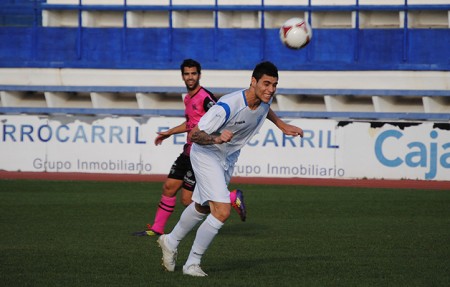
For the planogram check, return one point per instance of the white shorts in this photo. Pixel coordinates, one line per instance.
(212, 179)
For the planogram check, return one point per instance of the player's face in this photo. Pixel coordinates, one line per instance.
(265, 88)
(191, 78)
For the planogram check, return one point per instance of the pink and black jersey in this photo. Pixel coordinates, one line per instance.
(195, 107)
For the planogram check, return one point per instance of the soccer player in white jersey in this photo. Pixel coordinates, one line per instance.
(218, 138)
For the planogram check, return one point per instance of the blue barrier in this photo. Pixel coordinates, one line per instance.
(335, 49)
(180, 113)
(331, 49)
(219, 90)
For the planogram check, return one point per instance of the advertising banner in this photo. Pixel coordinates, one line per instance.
(125, 145)
(395, 150)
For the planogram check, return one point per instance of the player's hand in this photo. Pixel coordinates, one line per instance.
(160, 137)
(224, 137)
(292, 130)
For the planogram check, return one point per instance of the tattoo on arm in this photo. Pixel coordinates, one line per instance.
(202, 138)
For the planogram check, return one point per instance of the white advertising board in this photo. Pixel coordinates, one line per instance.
(125, 145)
(395, 151)
(272, 154)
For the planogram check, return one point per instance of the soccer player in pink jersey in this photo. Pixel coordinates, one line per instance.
(181, 176)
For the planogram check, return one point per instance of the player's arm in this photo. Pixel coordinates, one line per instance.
(202, 138)
(165, 134)
(208, 103)
(286, 128)
(205, 132)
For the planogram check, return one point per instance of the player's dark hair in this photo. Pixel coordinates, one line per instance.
(265, 68)
(190, 63)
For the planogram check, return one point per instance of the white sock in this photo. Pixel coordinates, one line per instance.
(205, 235)
(188, 220)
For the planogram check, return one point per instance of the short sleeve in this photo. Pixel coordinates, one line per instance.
(213, 119)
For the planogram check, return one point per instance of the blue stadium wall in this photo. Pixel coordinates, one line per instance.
(233, 49)
(25, 43)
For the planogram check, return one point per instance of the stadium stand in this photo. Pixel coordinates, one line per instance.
(368, 59)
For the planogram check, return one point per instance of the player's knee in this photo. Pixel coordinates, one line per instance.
(186, 201)
(222, 213)
(169, 190)
(186, 196)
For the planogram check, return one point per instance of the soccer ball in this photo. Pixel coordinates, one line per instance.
(295, 33)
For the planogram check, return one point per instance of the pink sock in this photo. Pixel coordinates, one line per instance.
(165, 208)
(233, 196)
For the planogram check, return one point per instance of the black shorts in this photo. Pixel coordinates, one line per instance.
(182, 169)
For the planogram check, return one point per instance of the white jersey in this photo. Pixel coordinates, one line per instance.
(232, 113)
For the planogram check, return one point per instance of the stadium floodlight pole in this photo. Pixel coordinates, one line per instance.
(123, 51)
(170, 30)
(405, 32)
(80, 30)
(216, 29)
(357, 32)
(263, 36)
(34, 34)
(308, 51)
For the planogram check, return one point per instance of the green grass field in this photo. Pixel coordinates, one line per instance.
(56, 233)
